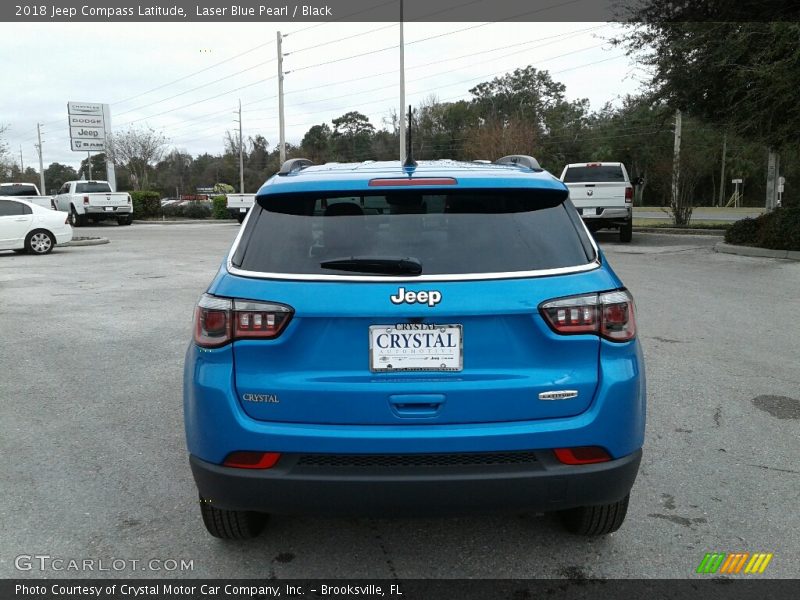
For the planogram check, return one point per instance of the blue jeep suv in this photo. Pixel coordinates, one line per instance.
(436, 338)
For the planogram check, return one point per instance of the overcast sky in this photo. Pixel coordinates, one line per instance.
(148, 73)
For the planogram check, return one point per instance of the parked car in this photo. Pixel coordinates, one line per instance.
(26, 191)
(436, 338)
(28, 227)
(603, 195)
(239, 204)
(93, 201)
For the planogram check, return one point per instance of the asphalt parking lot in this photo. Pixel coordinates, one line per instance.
(94, 463)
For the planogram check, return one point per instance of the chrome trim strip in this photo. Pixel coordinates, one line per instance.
(590, 266)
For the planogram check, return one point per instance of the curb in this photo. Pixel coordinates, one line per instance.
(186, 222)
(680, 231)
(95, 241)
(758, 252)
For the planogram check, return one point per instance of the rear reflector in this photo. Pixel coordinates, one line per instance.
(584, 455)
(406, 181)
(609, 315)
(252, 460)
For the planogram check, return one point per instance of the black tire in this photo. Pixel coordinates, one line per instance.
(75, 219)
(240, 217)
(125, 220)
(231, 524)
(595, 520)
(40, 242)
(626, 232)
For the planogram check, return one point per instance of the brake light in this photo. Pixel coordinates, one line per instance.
(584, 455)
(408, 181)
(610, 315)
(129, 199)
(66, 221)
(86, 199)
(252, 460)
(219, 321)
(628, 195)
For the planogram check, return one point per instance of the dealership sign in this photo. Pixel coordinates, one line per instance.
(88, 126)
(89, 131)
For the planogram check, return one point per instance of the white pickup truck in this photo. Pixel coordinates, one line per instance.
(26, 191)
(603, 194)
(93, 201)
(239, 204)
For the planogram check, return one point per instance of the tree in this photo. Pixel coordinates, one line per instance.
(98, 167)
(352, 134)
(316, 144)
(5, 166)
(732, 72)
(57, 174)
(138, 150)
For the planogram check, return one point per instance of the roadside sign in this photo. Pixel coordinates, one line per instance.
(86, 121)
(736, 181)
(84, 108)
(89, 128)
(88, 145)
(87, 133)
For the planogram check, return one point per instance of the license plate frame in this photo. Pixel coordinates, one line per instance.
(242, 209)
(108, 208)
(393, 360)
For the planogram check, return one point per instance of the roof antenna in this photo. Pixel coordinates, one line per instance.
(410, 164)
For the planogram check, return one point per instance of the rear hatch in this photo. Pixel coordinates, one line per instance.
(370, 343)
(596, 185)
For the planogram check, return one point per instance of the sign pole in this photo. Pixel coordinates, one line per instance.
(111, 175)
(41, 162)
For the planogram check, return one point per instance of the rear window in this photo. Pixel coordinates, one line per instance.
(484, 231)
(90, 187)
(593, 174)
(18, 189)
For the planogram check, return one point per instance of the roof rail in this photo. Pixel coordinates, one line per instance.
(294, 164)
(522, 160)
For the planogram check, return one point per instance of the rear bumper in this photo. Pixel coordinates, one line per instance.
(537, 485)
(97, 211)
(603, 217)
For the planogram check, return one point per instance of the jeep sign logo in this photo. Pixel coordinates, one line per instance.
(431, 298)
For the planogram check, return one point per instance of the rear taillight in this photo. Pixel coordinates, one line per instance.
(66, 221)
(218, 321)
(129, 199)
(86, 199)
(628, 195)
(609, 314)
(583, 455)
(252, 460)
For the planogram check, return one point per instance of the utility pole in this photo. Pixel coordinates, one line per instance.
(676, 159)
(241, 151)
(282, 126)
(773, 166)
(21, 165)
(722, 174)
(42, 189)
(89, 162)
(401, 115)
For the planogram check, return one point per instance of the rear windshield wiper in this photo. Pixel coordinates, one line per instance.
(382, 265)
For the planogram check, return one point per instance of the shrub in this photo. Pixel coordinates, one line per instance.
(777, 230)
(146, 204)
(220, 210)
(172, 210)
(197, 210)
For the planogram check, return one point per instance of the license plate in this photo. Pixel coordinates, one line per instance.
(415, 347)
(242, 210)
(109, 208)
